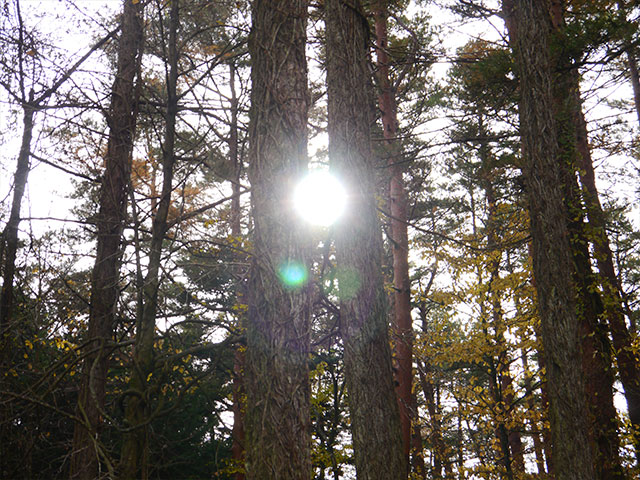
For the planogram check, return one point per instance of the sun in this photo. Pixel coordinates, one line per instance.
(319, 198)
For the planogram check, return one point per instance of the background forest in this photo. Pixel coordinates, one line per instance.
(474, 313)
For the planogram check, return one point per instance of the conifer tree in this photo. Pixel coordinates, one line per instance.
(375, 420)
(277, 420)
(121, 117)
(529, 30)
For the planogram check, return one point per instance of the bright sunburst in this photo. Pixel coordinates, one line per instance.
(319, 198)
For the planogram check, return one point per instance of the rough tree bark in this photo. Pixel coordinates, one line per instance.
(596, 351)
(596, 356)
(277, 421)
(375, 417)
(628, 365)
(121, 119)
(551, 250)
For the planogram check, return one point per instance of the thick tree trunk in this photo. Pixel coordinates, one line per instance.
(596, 355)
(277, 419)
(375, 418)
(134, 460)
(596, 351)
(628, 365)
(402, 329)
(110, 221)
(551, 250)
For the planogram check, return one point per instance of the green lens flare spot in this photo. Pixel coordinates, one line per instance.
(293, 274)
(349, 283)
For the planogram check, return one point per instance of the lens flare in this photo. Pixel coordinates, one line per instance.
(319, 198)
(293, 274)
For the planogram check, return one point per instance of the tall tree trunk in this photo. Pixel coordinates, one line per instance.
(533, 425)
(375, 418)
(635, 78)
(134, 460)
(277, 419)
(596, 351)
(402, 329)
(105, 277)
(628, 365)
(438, 448)
(237, 433)
(551, 250)
(10, 234)
(596, 355)
(30, 104)
(500, 379)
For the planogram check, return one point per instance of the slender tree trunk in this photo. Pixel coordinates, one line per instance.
(10, 233)
(402, 329)
(438, 449)
(531, 405)
(418, 466)
(500, 378)
(635, 78)
(277, 420)
(514, 439)
(375, 418)
(30, 104)
(237, 433)
(134, 460)
(110, 221)
(551, 249)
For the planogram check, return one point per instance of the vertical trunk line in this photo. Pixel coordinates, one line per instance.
(551, 250)
(402, 329)
(10, 233)
(373, 404)
(121, 118)
(135, 450)
(277, 420)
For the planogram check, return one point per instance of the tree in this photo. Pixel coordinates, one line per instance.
(134, 458)
(277, 419)
(85, 453)
(581, 165)
(31, 101)
(398, 204)
(373, 405)
(529, 30)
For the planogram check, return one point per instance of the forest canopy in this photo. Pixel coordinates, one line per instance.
(458, 299)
